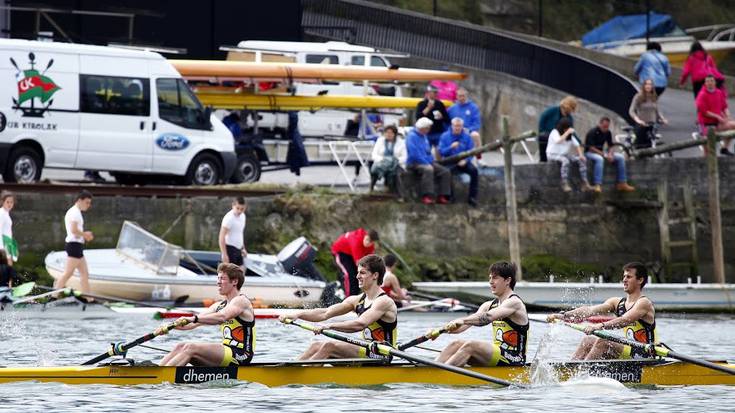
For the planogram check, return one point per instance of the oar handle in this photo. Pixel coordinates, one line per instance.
(431, 335)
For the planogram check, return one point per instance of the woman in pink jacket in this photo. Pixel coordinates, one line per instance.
(698, 65)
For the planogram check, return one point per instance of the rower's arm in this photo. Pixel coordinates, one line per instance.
(581, 313)
(234, 308)
(192, 325)
(462, 324)
(320, 314)
(640, 309)
(377, 310)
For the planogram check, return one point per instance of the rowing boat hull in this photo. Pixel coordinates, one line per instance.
(311, 103)
(663, 373)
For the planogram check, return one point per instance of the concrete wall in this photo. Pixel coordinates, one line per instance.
(606, 230)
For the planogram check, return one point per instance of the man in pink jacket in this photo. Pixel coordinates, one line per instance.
(712, 111)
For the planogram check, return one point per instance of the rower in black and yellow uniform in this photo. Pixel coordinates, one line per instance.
(634, 314)
(377, 316)
(509, 319)
(236, 319)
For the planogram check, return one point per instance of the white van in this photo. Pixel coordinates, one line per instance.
(326, 122)
(104, 109)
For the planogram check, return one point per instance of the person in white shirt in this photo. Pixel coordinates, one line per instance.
(231, 234)
(565, 147)
(76, 236)
(389, 154)
(6, 227)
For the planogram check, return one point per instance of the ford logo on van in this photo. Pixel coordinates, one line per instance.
(172, 142)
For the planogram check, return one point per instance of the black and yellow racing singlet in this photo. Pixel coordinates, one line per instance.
(639, 331)
(380, 330)
(510, 338)
(239, 335)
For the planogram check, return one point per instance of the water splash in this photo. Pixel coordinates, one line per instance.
(542, 371)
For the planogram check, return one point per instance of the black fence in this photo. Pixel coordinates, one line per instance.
(420, 35)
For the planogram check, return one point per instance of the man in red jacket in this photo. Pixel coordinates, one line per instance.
(347, 251)
(712, 111)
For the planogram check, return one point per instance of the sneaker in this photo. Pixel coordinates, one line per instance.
(726, 152)
(624, 187)
(443, 200)
(472, 202)
(565, 187)
(597, 188)
(586, 187)
(427, 200)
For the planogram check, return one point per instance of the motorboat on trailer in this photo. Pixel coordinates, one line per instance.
(144, 267)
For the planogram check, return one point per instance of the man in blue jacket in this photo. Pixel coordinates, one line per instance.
(468, 111)
(421, 161)
(654, 65)
(453, 142)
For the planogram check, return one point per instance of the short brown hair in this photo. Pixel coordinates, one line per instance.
(641, 272)
(83, 194)
(373, 263)
(373, 234)
(506, 270)
(233, 272)
(5, 195)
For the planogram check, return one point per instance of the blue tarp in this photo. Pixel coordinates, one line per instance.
(631, 27)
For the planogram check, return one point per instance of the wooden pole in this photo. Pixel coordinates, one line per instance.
(663, 225)
(713, 179)
(511, 206)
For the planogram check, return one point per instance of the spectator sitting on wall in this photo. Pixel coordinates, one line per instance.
(654, 65)
(421, 161)
(468, 111)
(564, 147)
(391, 285)
(712, 111)
(550, 118)
(644, 111)
(433, 109)
(455, 141)
(595, 142)
(389, 155)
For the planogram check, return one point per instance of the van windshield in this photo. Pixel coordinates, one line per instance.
(178, 105)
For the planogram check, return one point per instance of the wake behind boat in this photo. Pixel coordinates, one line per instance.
(144, 267)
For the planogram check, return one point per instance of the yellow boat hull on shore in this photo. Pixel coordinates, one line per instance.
(652, 372)
(235, 101)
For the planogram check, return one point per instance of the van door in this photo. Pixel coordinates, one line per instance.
(115, 122)
(179, 128)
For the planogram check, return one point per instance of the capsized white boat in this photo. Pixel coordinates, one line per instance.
(143, 267)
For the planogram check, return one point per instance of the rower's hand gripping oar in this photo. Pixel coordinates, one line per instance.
(120, 349)
(431, 335)
(386, 350)
(652, 349)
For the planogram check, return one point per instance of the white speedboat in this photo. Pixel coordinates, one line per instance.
(143, 267)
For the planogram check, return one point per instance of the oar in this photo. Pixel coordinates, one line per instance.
(23, 289)
(35, 297)
(178, 301)
(387, 350)
(119, 349)
(422, 339)
(421, 305)
(434, 297)
(660, 351)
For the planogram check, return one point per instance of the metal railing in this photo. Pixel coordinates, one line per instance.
(444, 40)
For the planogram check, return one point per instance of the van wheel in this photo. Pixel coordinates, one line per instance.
(247, 169)
(24, 166)
(205, 169)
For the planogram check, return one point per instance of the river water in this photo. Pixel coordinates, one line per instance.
(35, 341)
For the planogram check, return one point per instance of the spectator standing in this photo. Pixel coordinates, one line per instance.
(433, 109)
(645, 113)
(389, 154)
(699, 65)
(550, 118)
(75, 239)
(654, 65)
(564, 147)
(712, 111)
(455, 141)
(445, 89)
(391, 284)
(420, 160)
(231, 238)
(7, 242)
(348, 249)
(469, 112)
(596, 140)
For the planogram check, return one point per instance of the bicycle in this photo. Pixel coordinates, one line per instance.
(627, 142)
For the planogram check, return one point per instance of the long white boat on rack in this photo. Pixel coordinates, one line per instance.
(666, 296)
(144, 267)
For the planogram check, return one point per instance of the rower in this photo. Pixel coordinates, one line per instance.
(509, 319)
(391, 285)
(635, 315)
(376, 311)
(236, 320)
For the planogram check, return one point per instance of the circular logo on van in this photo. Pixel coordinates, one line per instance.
(172, 142)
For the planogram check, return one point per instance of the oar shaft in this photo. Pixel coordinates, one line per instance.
(118, 299)
(434, 297)
(418, 340)
(124, 347)
(386, 350)
(35, 297)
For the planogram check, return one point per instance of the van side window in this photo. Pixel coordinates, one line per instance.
(377, 61)
(114, 95)
(178, 105)
(358, 61)
(322, 59)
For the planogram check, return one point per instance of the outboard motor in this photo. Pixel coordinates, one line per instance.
(297, 258)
